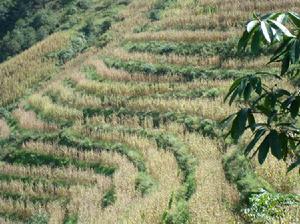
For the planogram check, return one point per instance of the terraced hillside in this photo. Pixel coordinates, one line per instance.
(130, 133)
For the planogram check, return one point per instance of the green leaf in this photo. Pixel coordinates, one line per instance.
(244, 40)
(285, 64)
(294, 109)
(263, 150)
(294, 51)
(282, 92)
(259, 133)
(239, 123)
(234, 95)
(255, 44)
(233, 87)
(266, 30)
(247, 91)
(281, 50)
(275, 144)
(284, 144)
(251, 121)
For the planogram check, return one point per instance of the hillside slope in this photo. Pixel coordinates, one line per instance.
(128, 133)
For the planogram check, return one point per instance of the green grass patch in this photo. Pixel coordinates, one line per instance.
(36, 159)
(109, 198)
(189, 73)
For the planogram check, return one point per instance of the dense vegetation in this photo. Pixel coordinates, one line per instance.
(24, 23)
(117, 119)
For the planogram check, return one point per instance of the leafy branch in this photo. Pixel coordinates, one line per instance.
(278, 131)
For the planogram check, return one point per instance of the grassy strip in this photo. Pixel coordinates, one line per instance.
(91, 73)
(36, 159)
(224, 49)
(206, 49)
(36, 180)
(238, 170)
(43, 200)
(68, 138)
(14, 216)
(189, 73)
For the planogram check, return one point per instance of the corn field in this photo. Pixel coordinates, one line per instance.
(122, 136)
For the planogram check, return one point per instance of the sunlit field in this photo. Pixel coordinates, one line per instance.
(129, 133)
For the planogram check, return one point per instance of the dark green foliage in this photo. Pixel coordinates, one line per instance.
(181, 214)
(95, 32)
(279, 133)
(77, 45)
(71, 219)
(23, 23)
(144, 183)
(42, 200)
(109, 198)
(190, 94)
(83, 4)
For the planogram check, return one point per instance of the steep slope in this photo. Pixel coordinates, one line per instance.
(127, 133)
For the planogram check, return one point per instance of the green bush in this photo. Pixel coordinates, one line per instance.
(77, 45)
(83, 4)
(238, 170)
(266, 207)
(109, 198)
(178, 215)
(144, 183)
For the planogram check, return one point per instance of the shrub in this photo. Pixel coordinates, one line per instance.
(83, 4)
(266, 207)
(144, 183)
(77, 45)
(109, 198)
(238, 170)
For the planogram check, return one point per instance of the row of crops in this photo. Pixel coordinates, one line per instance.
(131, 134)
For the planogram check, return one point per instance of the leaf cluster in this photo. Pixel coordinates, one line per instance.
(279, 132)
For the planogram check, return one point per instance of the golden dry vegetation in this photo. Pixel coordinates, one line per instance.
(109, 142)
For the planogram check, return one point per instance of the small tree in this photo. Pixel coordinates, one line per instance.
(279, 132)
